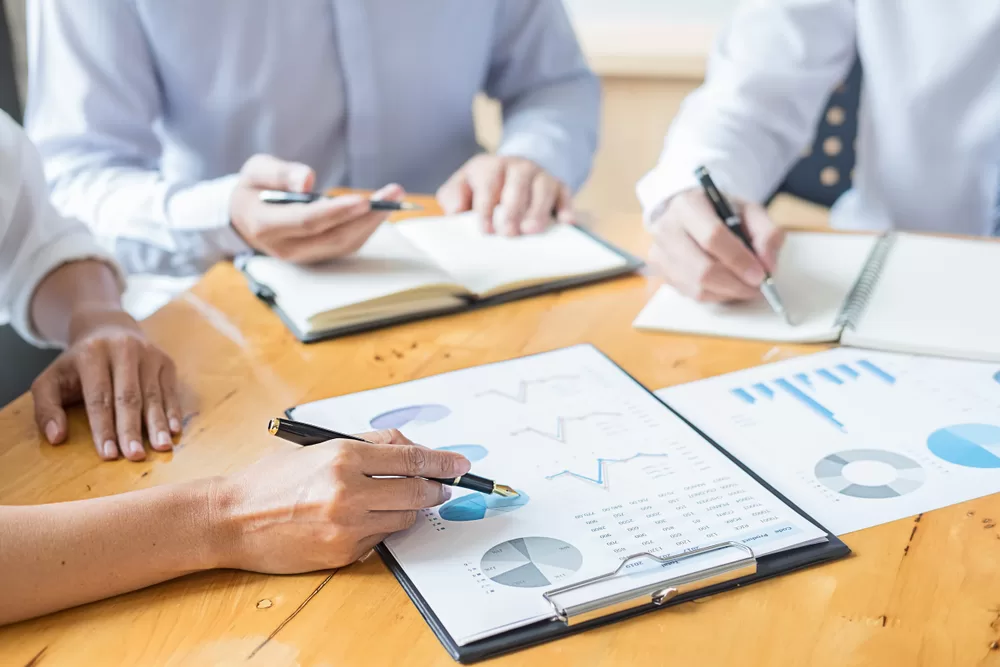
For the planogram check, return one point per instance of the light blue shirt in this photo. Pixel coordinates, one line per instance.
(145, 110)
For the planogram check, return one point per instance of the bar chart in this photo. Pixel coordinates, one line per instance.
(807, 388)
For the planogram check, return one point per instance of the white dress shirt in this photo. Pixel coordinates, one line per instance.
(144, 110)
(34, 238)
(928, 146)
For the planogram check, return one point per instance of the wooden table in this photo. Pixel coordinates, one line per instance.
(921, 591)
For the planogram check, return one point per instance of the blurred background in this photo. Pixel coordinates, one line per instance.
(649, 54)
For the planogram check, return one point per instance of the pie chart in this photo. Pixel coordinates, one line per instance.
(531, 562)
(478, 506)
(472, 452)
(870, 473)
(967, 445)
(411, 414)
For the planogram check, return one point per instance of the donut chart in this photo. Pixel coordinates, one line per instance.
(411, 414)
(834, 473)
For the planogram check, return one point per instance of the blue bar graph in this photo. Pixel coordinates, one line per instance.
(828, 376)
(876, 371)
(808, 401)
(809, 388)
(848, 371)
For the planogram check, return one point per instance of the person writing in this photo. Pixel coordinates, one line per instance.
(159, 135)
(298, 510)
(928, 149)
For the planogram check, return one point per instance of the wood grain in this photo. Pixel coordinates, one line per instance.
(921, 591)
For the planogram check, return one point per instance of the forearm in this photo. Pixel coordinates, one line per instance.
(62, 555)
(156, 225)
(71, 288)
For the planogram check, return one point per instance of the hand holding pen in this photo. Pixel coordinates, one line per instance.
(702, 258)
(308, 435)
(308, 232)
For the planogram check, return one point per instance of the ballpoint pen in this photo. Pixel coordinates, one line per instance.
(282, 197)
(307, 434)
(735, 225)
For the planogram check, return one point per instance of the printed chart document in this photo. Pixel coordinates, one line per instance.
(604, 471)
(857, 438)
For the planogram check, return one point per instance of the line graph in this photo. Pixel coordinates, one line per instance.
(521, 395)
(561, 425)
(601, 479)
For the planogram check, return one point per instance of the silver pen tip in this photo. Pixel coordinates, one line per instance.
(770, 292)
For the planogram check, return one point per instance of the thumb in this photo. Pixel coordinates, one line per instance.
(49, 413)
(767, 237)
(455, 196)
(267, 172)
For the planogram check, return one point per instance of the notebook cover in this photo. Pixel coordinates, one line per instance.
(632, 265)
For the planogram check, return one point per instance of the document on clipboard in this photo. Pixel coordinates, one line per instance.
(623, 506)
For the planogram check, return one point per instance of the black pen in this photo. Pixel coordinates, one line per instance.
(307, 434)
(282, 197)
(735, 225)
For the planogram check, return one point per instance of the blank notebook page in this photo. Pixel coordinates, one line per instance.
(483, 263)
(935, 296)
(814, 276)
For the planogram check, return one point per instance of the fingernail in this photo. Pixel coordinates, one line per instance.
(163, 439)
(299, 178)
(445, 493)
(754, 276)
(110, 449)
(135, 447)
(51, 432)
(175, 425)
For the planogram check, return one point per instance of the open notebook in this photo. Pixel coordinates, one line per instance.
(428, 266)
(899, 292)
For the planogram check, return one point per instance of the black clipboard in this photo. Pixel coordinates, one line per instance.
(744, 569)
(266, 294)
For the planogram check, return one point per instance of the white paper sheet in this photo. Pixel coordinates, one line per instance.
(858, 438)
(605, 471)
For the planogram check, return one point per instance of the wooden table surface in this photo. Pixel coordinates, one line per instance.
(920, 591)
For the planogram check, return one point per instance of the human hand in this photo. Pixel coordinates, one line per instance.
(124, 381)
(703, 259)
(527, 194)
(318, 507)
(301, 233)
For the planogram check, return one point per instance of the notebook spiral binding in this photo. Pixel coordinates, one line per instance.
(861, 293)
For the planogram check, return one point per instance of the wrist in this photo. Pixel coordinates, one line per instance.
(89, 317)
(221, 502)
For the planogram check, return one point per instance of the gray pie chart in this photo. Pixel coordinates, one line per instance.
(909, 474)
(531, 562)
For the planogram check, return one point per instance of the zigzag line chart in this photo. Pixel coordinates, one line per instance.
(560, 434)
(521, 395)
(601, 479)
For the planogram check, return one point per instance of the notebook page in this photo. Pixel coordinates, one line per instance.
(387, 264)
(814, 276)
(935, 296)
(488, 263)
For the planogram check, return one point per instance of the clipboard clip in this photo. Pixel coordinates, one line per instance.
(657, 592)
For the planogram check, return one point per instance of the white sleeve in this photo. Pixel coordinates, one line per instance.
(95, 99)
(770, 73)
(34, 238)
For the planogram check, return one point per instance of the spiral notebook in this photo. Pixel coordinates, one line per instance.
(898, 292)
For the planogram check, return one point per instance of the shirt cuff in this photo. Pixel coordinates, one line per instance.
(73, 247)
(663, 183)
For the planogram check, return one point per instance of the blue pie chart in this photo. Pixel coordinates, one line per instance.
(478, 506)
(411, 414)
(472, 452)
(967, 445)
